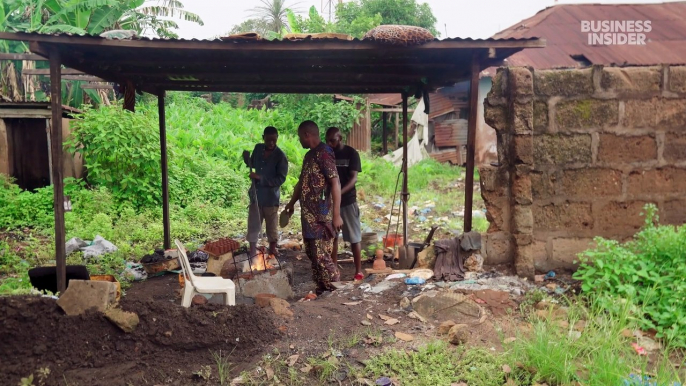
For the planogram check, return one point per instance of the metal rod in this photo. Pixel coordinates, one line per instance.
(165, 176)
(397, 128)
(384, 128)
(471, 141)
(405, 196)
(57, 170)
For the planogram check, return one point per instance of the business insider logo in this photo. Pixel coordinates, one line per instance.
(616, 32)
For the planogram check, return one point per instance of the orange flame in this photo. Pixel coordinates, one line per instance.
(262, 262)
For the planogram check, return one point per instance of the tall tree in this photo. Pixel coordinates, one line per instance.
(274, 12)
(356, 18)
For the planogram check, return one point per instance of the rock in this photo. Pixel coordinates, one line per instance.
(539, 278)
(366, 323)
(264, 300)
(445, 327)
(551, 286)
(423, 273)
(458, 334)
(580, 325)
(510, 340)
(199, 300)
(447, 306)
(405, 302)
(543, 305)
(563, 324)
(415, 315)
(83, 295)
(281, 307)
(404, 337)
(517, 292)
(627, 333)
(426, 258)
(127, 321)
(474, 263)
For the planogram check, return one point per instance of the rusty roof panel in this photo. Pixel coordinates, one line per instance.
(560, 25)
(451, 132)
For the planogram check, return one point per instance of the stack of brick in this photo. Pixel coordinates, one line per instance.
(580, 153)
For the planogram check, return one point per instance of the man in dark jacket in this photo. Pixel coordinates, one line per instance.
(271, 168)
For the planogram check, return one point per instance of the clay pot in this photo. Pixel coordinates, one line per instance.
(379, 263)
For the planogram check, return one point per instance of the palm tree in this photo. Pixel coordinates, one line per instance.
(152, 16)
(274, 12)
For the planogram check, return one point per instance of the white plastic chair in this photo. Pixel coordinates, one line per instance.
(203, 285)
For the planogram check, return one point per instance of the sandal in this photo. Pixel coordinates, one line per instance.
(359, 276)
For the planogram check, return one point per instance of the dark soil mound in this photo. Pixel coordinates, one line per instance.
(170, 342)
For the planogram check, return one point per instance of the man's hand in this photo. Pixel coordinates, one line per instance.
(289, 208)
(255, 176)
(338, 223)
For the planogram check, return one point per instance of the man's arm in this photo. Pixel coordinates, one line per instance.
(281, 173)
(297, 192)
(351, 182)
(335, 186)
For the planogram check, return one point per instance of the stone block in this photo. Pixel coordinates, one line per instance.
(493, 179)
(523, 220)
(631, 80)
(658, 113)
(445, 327)
(521, 82)
(569, 216)
(540, 255)
(276, 282)
(524, 238)
(565, 251)
(499, 87)
(540, 117)
(264, 300)
(87, 295)
(591, 183)
(674, 148)
(586, 114)
(657, 181)
(619, 218)
(524, 261)
(281, 308)
(496, 117)
(563, 82)
(126, 321)
(523, 118)
(673, 212)
(503, 142)
(523, 149)
(542, 186)
(499, 248)
(562, 149)
(677, 79)
(626, 149)
(521, 190)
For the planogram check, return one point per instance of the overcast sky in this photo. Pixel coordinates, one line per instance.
(461, 18)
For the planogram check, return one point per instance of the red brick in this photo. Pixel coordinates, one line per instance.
(674, 148)
(657, 181)
(591, 183)
(567, 216)
(673, 212)
(542, 186)
(626, 149)
(523, 149)
(632, 80)
(619, 218)
(562, 149)
(656, 113)
(521, 190)
(586, 114)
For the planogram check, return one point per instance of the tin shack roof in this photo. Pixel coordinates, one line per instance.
(567, 46)
(285, 66)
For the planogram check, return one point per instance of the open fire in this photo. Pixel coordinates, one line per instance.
(262, 262)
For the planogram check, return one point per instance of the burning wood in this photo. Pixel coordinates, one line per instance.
(262, 262)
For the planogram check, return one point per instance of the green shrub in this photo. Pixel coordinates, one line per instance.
(648, 272)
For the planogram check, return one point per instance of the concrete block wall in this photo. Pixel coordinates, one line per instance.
(580, 152)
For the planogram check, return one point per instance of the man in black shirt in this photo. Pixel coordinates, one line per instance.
(348, 165)
(271, 169)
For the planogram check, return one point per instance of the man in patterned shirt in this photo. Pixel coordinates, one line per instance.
(319, 192)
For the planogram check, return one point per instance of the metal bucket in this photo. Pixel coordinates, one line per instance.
(369, 239)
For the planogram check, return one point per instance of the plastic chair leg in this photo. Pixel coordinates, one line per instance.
(188, 293)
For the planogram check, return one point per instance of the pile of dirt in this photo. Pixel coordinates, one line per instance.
(170, 342)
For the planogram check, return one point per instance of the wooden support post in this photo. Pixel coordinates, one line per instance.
(57, 169)
(165, 177)
(384, 135)
(405, 195)
(397, 127)
(129, 96)
(471, 141)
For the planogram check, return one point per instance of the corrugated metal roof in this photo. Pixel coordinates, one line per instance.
(560, 25)
(293, 66)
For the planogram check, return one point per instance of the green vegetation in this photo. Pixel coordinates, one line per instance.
(647, 273)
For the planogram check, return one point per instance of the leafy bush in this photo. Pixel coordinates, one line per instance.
(648, 272)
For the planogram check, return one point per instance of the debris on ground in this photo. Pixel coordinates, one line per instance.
(87, 295)
(126, 321)
(98, 247)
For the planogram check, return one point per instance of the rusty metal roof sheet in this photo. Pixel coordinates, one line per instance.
(560, 25)
(287, 66)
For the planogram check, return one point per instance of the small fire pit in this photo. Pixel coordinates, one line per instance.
(262, 273)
